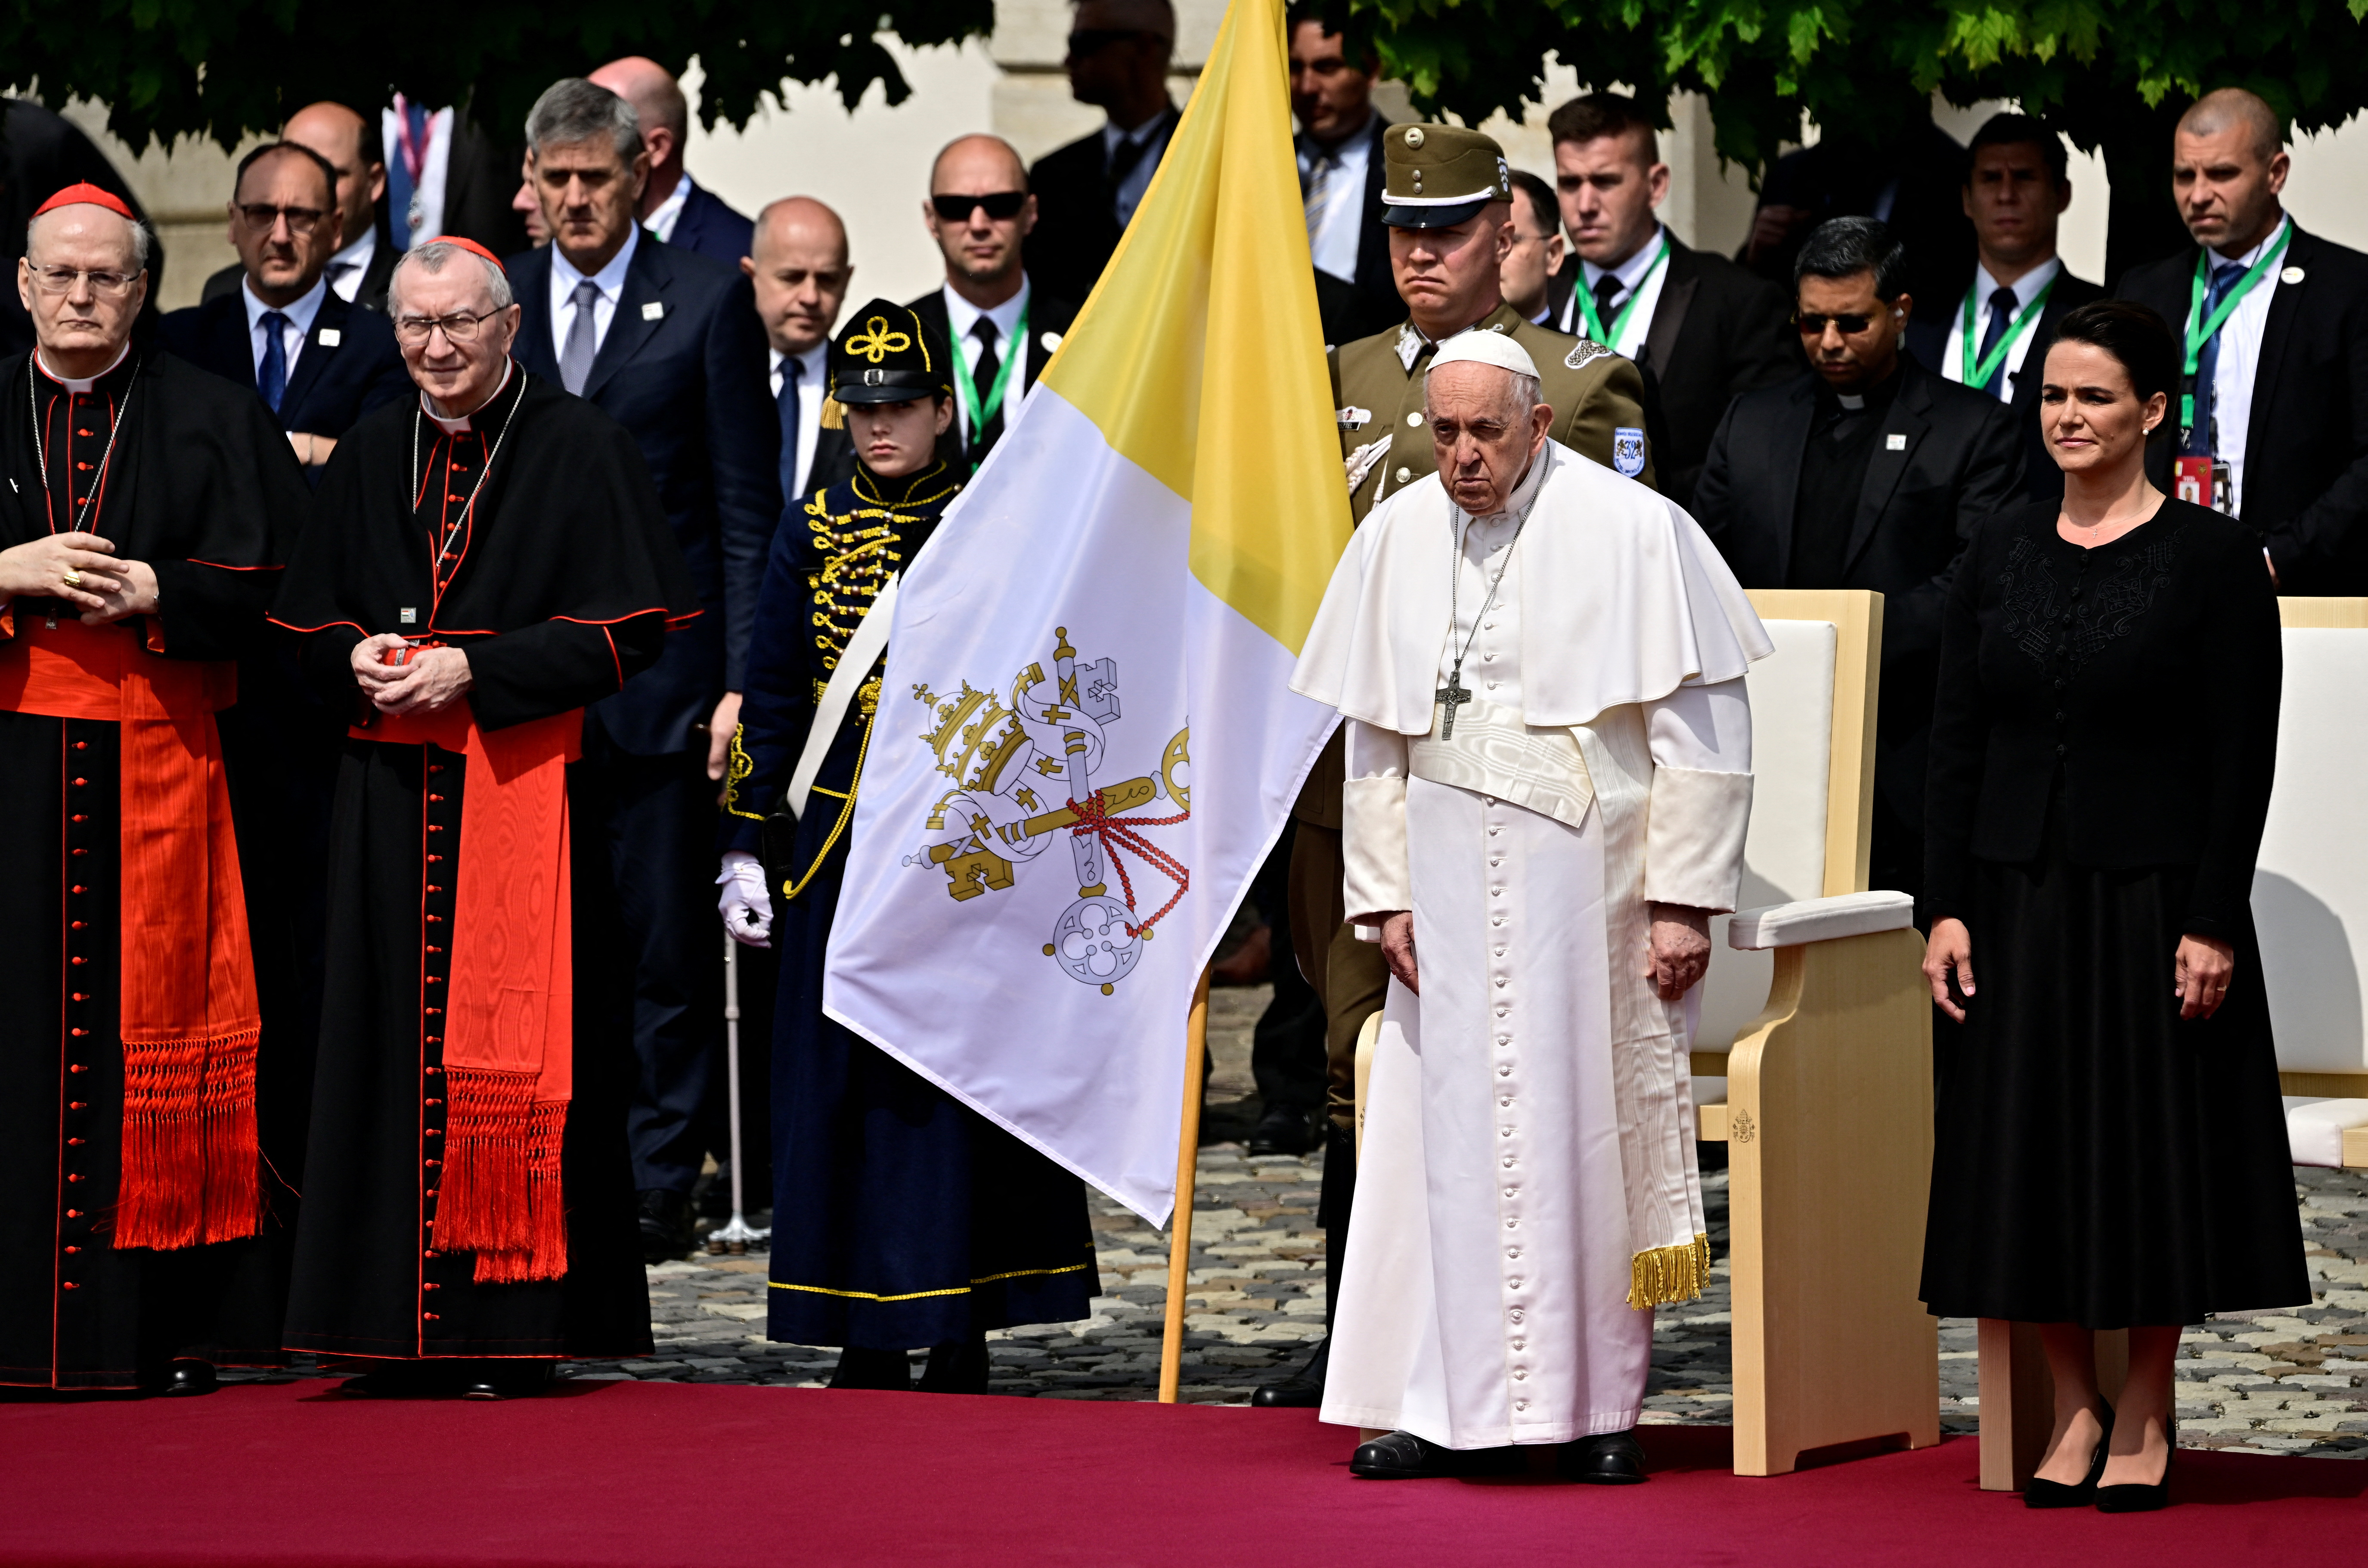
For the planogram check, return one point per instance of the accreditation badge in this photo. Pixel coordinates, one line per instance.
(2202, 481)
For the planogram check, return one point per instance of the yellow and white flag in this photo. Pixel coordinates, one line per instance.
(1085, 739)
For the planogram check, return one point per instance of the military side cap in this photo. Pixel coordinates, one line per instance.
(886, 355)
(1440, 175)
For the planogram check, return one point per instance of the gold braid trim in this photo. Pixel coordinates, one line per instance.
(1663, 1275)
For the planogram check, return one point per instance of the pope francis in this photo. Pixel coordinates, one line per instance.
(1541, 665)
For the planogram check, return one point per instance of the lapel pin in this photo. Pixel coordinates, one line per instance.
(1051, 340)
(330, 336)
(2291, 275)
(408, 617)
(654, 311)
(1895, 442)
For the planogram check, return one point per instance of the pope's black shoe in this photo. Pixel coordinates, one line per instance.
(1286, 1129)
(860, 1366)
(516, 1379)
(188, 1378)
(1301, 1390)
(666, 1229)
(1402, 1456)
(959, 1367)
(1608, 1459)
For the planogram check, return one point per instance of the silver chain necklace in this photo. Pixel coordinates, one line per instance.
(1453, 695)
(419, 479)
(41, 459)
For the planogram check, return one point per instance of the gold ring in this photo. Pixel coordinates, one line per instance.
(72, 579)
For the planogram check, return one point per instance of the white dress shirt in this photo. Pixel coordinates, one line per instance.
(1632, 274)
(291, 337)
(610, 281)
(432, 173)
(2026, 289)
(348, 267)
(813, 365)
(662, 222)
(1335, 228)
(960, 315)
(1151, 138)
(2240, 359)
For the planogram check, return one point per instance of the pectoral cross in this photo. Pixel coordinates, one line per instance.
(1450, 697)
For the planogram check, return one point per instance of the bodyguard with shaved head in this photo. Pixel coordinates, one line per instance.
(2272, 422)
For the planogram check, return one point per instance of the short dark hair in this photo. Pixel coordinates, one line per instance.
(2132, 334)
(1355, 33)
(328, 170)
(1547, 211)
(1604, 114)
(1844, 248)
(2018, 130)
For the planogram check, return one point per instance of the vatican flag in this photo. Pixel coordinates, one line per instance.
(1086, 742)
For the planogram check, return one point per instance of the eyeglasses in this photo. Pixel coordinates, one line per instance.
(1092, 41)
(264, 215)
(1812, 324)
(1001, 206)
(61, 280)
(412, 331)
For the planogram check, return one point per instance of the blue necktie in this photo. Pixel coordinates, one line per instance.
(787, 400)
(271, 377)
(2208, 362)
(2002, 304)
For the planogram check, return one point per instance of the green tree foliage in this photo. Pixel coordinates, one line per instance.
(224, 68)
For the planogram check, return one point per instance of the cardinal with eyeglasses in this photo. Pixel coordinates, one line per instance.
(1549, 776)
(147, 511)
(481, 562)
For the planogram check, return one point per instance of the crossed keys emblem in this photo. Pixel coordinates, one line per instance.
(877, 342)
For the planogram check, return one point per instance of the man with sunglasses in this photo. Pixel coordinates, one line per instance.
(1869, 472)
(979, 212)
(1086, 192)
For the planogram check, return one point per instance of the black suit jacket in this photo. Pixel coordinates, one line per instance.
(1047, 316)
(1075, 230)
(480, 180)
(350, 365)
(1369, 302)
(1717, 332)
(1959, 459)
(2306, 485)
(683, 368)
(370, 296)
(711, 227)
(1928, 340)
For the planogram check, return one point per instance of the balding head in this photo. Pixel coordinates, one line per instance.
(797, 264)
(350, 143)
(969, 166)
(979, 212)
(664, 115)
(2228, 109)
(82, 279)
(2227, 166)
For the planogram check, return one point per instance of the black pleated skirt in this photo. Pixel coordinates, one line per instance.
(2098, 1161)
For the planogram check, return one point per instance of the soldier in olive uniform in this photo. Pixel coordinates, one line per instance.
(1448, 206)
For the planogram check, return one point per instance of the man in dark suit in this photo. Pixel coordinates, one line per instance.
(675, 206)
(1003, 327)
(320, 362)
(2016, 188)
(1333, 67)
(668, 343)
(798, 265)
(41, 154)
(1086, 192)
(358, 273)
(1867, 473)
(2279, 393)
(1910, 182)
(1527, 273)
(1701, 328)
(449, 175)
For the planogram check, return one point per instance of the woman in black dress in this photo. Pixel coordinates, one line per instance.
(2112, 1150)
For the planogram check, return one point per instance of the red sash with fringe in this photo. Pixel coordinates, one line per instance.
(191, 1168)
(509, 1020)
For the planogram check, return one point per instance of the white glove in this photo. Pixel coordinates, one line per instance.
(747, 907)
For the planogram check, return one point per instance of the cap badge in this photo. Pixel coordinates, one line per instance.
(877, 342)
(1414, 136)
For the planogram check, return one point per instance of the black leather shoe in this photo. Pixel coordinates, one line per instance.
(188, 1378)
(2043, 1493)
(959, 1367)
(666, 1230)
(522, 1380)
(1285, 1130)
(1608, 1459)
(2136, 1497)
(860, 1366)
(1402, 1456)
(1301, 1390)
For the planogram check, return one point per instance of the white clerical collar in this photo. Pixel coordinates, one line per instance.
(2026, 287)
(1630, 272)
(352, 264)
(461, 425)
(668, 212)
(610, 279)
(2250, 256)
(1525, 494)
(960, 313)
(299, 312)
(811, 364)
(1851, 401)
(81, 388)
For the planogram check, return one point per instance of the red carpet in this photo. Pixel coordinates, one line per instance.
(645, 1474)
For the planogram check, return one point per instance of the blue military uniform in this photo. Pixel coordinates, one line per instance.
(901, 1218)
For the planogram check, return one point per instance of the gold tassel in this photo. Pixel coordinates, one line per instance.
(1663, 1275)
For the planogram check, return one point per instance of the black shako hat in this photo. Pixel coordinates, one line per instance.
(886, 355)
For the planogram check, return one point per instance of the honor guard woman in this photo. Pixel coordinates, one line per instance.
(903, 1218)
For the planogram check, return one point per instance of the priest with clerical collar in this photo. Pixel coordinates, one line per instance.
(148, 508)
(481, 563)
(1549, 754)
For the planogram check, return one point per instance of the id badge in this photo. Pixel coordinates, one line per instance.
(2202, 482)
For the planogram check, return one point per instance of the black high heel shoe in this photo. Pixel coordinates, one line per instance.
(2135, 1497)
(2043, 1494)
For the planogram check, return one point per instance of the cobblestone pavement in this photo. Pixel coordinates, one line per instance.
(2285, 1382)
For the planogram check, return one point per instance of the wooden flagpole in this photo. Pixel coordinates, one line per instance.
(1188, 1173)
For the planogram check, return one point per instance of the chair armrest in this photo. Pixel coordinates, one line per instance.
(1819, 920)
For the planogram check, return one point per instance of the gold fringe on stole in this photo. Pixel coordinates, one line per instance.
(1663, 1275)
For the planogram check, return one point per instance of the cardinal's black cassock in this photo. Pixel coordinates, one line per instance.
(141, 1085)
(469, 1194)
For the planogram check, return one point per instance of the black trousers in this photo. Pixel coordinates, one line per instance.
(1286, 1045)
(661, 840)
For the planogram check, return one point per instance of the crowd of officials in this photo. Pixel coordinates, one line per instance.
(1838, 406)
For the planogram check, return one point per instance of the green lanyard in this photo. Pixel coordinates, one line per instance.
(1619, 323)
(1978, 370)
(1015, 350)
(2197, 336)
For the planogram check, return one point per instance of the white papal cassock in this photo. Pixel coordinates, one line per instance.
(1528, 1191)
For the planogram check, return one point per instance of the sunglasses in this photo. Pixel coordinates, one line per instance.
(1092, 41)
(1812, 324)
(1001, 206)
